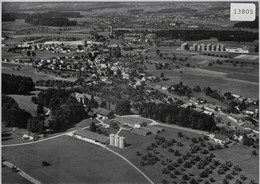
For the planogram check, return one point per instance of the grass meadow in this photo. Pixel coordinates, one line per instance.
(72, 161)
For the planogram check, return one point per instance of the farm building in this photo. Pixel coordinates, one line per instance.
(80, 97)
(221, 139)
(30, 136)
(74, 43)
(128, 121)
(153, 129)
(104, 113)
(91, 136)
(141, 131)
(184, 46)
(91, 114)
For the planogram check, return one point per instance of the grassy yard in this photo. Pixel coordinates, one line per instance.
(72, 161)
(25, 103)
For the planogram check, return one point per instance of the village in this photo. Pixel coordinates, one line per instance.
(155, 95)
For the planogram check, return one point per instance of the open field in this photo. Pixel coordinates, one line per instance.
(15, 25)
(205, 78)
(247, 73)
(28, 71)
(72, 161)
(25, 103)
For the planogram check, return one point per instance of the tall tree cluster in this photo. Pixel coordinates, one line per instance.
(15, 84)
(65, 108)
(173, 114)
(12, 115)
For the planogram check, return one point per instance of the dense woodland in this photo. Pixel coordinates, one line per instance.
(195, 35)
(65, 108)
(15, 84)
(172, 114)
(12, 115)
(52, 18)
(8, 17)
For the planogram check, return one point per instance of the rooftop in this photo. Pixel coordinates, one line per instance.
(221, 137)
(92, 135)
(126, 120)
(102, 111)
(140, 131)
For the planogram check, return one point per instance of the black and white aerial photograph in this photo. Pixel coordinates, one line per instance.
(130, 92)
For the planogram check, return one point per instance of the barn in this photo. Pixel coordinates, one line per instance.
(91, 136)
(104, 113)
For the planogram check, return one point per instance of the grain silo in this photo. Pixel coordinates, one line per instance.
(121, 142)
(116, 140)
(112, 139)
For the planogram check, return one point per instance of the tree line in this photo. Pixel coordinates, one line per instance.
(15, 84)
(50, 19)
(12, 115)
(195, 35)
(172, 114)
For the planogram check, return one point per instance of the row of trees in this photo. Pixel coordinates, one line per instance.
(172, 114)
(13, 84)
(195, 35)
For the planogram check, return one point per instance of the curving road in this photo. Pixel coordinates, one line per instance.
(21, 173)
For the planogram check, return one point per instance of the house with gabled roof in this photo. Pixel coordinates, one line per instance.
(104, 113)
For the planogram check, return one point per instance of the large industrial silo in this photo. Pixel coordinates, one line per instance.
(121, 142)
(116, 140)
(112, 139)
